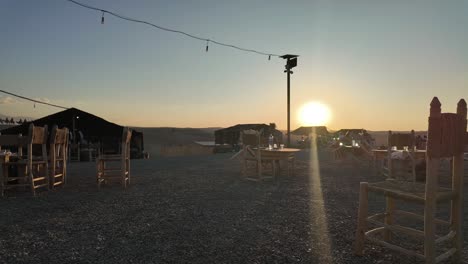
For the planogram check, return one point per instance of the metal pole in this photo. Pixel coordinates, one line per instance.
(291, 62)
(289, 124)
(73, 131)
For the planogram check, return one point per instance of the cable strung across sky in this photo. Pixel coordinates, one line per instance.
(173, 30)
(33, 100)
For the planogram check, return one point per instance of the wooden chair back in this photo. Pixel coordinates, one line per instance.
(446, 139)
(34, 168)
(399, 169)
(400, 140)
(251, 139)
(447, 134)
(58, 155)
(125, 144)
(37, 136)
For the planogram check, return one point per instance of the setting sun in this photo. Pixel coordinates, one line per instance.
(314, 114)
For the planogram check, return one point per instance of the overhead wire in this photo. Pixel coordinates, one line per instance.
(34, 100)
(172, 30)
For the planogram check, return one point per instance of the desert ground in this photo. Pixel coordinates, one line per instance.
(196, 209)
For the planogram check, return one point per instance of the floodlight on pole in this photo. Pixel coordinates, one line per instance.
(291, 62)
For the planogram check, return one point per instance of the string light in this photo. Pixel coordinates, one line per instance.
(173, 30)
(33, 100)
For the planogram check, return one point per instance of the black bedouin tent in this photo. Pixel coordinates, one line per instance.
(87, 127)
(231, 135)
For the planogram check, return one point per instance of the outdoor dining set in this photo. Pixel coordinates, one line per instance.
(39, 160)
(256, 158)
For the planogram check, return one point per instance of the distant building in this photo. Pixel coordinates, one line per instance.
(231, 135)
(307, 130)
(301, 137)
(347, 136)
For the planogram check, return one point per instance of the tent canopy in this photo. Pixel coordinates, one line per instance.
(91, 127)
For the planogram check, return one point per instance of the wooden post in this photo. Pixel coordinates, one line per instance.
(430, 209)
(413, 155)
(20, 147)
(456, 217)
(362, 218)
(29, 169)
(432, 167)
(389, 156)
(53, 156)
(389, 212)
(259, 164)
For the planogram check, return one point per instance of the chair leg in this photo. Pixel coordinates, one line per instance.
(124, 178)
(259, 170)
(128, 171)
(46, 175)
(293, 166)
(429, 239)
(362, 218)
(31, 178)
(432, 179)
(244, 168)
(389, 217)
(98, 173)
(273, 167)
(457, 207)
(3, 178)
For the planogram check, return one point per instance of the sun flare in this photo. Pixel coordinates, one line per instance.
(314, 114)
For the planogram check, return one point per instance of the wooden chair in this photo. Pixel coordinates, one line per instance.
(116, 167)
(445, 139)
(58, 156)
(32, 171)
(251, 154)
(404, 166)
(8, 141)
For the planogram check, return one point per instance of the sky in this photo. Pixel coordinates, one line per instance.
(375, 64)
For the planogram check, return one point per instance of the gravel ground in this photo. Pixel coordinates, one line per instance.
(194, 210)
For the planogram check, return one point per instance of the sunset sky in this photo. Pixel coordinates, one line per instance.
(375, 64)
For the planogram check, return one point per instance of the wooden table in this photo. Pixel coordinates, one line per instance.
(281, 154)
(382, 153)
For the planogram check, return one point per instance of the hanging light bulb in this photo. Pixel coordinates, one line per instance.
(269, 57)
(207, 45)
(102, 18)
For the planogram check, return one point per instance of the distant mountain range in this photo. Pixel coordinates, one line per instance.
(16, 118)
